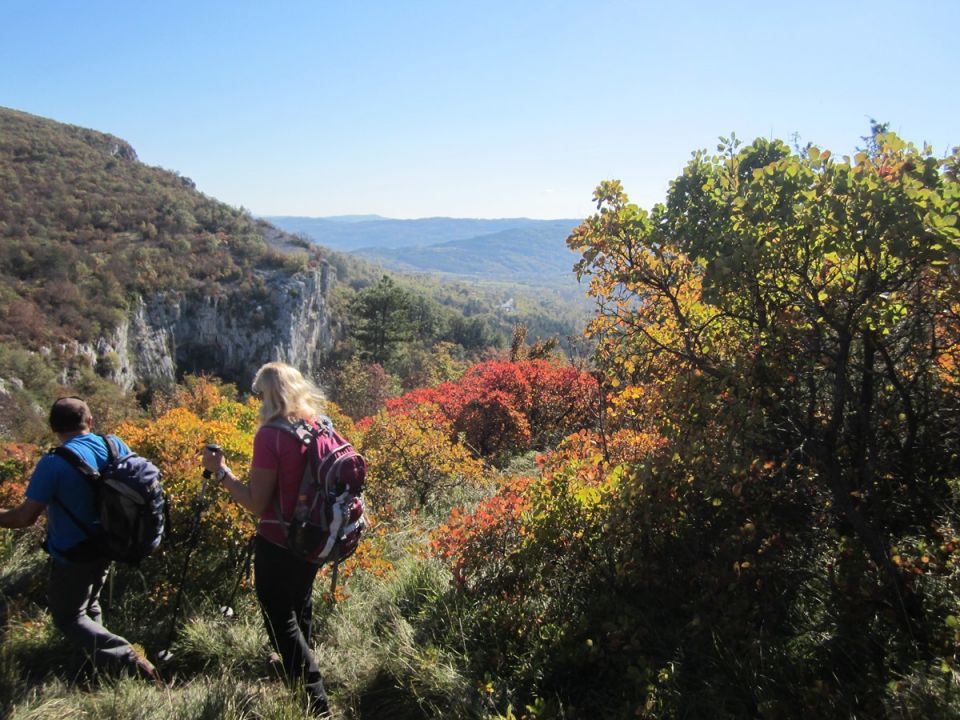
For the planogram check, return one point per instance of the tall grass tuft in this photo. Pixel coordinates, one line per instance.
(215, 697)
(378, 660)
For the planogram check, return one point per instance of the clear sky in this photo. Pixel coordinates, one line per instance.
(416, 108)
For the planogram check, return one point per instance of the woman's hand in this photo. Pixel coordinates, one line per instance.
(254, 496)
(213, 460)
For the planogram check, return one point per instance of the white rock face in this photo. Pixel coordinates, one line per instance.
(230, 335)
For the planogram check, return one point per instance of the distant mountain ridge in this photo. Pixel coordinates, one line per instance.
(511, 249)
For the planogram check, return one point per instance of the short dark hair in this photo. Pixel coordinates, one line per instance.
(69, 414)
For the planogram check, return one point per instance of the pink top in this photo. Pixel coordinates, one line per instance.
(275, 449)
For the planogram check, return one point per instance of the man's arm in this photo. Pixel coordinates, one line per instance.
(23, 515)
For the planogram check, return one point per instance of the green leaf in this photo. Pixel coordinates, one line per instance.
(588, 496)
(952, 621)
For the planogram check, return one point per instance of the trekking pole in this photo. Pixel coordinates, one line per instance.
(166, 655)
(333, 581)
(227, 609)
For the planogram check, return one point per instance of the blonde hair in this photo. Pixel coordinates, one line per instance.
(286, 394)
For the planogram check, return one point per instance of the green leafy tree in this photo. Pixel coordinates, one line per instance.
(473, 333)
(381, 315)
(426, 367)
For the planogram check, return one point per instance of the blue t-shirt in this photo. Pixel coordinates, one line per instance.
(56, 483)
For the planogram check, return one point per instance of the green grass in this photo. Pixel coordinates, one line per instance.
(205, 698)
(379, 662)
(374, 648)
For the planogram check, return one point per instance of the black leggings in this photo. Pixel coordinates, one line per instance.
(284, 586)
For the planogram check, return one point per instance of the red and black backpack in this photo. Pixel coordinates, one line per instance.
(326, 520)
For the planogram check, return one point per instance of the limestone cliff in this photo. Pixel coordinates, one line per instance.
(229, 334)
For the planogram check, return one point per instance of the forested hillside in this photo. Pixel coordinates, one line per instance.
(86, 226)
(87, 230)
(534, 256)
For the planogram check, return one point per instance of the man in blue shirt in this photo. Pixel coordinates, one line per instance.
(76, 574)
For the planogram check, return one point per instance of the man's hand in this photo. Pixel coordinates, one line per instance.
(23, 515)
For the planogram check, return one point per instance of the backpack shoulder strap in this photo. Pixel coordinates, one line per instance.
(303, 431)
(113, 449)
(306, 434)
(88, 473)
(76, 462)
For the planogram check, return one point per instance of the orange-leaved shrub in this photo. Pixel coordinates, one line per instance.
(16, 464)
(415, 460)
(203, 520)
(533, 561)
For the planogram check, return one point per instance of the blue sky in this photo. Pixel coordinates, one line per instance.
(472, 109)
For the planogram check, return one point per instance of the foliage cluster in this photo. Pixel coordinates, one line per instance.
(415, 460)
(400, 338)
(430, 445)
(503, 408)
(779, 342)
(16, 462)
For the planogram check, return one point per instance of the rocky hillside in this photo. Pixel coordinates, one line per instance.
(128, 270)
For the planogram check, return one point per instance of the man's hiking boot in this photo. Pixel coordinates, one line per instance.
(275, 665)
(320, 707)
(146, 670)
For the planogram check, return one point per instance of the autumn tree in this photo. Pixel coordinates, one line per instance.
(796, 312)
(764, 524)
(414, 461)
(502, 408)
(363, 387)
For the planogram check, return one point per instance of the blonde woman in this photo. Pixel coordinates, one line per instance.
(283, 581)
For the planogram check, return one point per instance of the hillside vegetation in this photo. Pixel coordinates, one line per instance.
(87, 229)
(86, 226)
